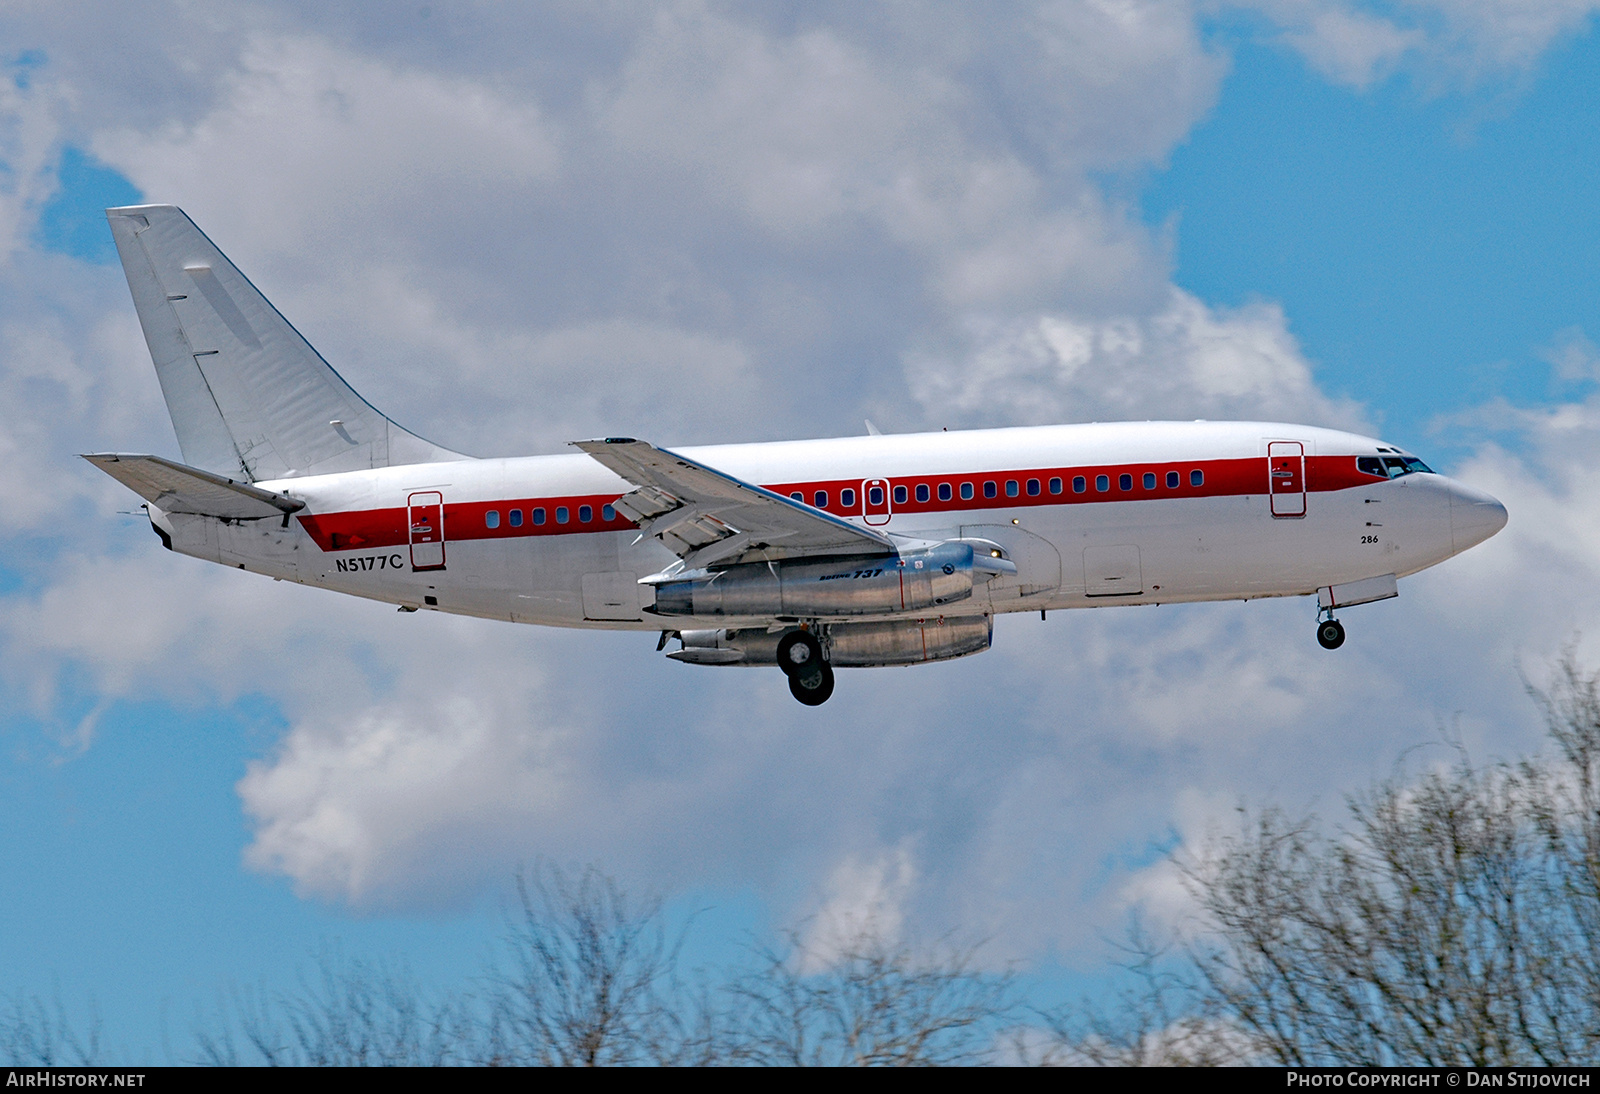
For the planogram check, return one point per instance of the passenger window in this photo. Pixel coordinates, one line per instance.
(1149, 480)
(922, 492)
(944, 491)
(966, 491)
(585, 513)
(989, 489)
(1079, 484)
(798, 496)
(1055, 486)
(561, 514)
(516, 518)
(1197, 477)
(607, 513)
(847, 498)
(1102, 483)
(491, 519)
(900, 495)
(538, 516)
(1012, 490)
(1033, 488)
(874, 495)
(820, 499)
(1125, 481)
(1172, 480)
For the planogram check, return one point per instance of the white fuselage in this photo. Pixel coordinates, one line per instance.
(1091, 515)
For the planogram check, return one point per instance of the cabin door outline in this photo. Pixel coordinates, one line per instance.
(1286, 478)
(425, 529)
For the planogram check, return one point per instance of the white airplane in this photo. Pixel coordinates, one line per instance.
(807, 555)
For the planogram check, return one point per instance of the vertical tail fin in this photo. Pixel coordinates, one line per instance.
(247, 394)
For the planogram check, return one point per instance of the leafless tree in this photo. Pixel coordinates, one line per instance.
(353, 1014)
(593, 981)
(873, 1004)
(1154, 1018)
(35, 1035)
(591, 977)
(1453, 919)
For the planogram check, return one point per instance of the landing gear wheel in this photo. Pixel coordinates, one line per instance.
(799, 653)
(1330, 634)
(813, 688)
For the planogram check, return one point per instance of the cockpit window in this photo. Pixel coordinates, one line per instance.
(1391, 467)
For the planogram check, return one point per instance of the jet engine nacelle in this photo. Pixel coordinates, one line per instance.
(849, 645)
(913, 581)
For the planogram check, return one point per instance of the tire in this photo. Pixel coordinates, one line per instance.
(814, 688)
(799, 652)
(1330, 634)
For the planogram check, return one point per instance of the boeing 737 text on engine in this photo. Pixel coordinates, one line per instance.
(807, 555)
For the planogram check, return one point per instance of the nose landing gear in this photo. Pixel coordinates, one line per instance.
(810, 676)
(1330, 632)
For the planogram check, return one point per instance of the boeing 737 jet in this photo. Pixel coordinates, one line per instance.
(807, 555)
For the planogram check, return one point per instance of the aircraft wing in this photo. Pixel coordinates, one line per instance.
(175, 488)
(705, 516)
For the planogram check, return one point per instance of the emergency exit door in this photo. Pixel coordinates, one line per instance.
(875, 505)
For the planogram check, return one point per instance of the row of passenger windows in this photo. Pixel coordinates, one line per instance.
(491, 519)
(1013, 488)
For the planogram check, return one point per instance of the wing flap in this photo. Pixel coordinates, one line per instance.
(704, 516)
(175, 488)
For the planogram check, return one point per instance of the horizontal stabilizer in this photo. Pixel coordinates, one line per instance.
(175, 488)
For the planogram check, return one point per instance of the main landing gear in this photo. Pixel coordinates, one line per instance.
(1330, 632)
(810, 676)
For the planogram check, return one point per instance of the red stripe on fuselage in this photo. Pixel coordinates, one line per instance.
(372, 528)
(368, 528)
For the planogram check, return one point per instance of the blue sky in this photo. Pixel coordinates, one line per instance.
(651, 227)
(1426, 246)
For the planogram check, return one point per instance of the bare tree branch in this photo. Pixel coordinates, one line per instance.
(34, 1035)
(593, 981)
(873, 1004)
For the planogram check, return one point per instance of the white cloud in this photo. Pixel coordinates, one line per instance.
(863, 905)
(1186, 360)
(358, 804)
(1161, 892)
(298, 119)
(1535, 586)
(818, 134)
(1453, 42)
(1352, 46)
(1573, 356)
(1509, 34)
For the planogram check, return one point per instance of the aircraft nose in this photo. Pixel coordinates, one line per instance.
(1474, 517)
